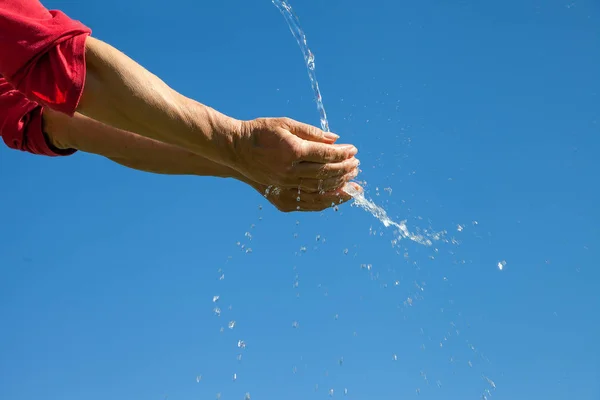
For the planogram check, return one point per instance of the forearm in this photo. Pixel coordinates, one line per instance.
(126, 148)
(121, 93)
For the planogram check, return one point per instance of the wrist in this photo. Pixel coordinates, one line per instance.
(220, 131)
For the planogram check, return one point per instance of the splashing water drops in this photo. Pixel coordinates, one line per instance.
(501, 265)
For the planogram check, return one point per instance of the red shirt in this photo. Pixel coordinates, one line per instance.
(42, 63)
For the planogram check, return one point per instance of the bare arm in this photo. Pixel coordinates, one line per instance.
(268, 151)
(121, 93)
(137, 152)
(126, 148)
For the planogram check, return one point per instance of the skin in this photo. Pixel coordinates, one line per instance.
(138, 152)
(267, 151)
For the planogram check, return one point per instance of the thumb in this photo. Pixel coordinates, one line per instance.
(312, 133)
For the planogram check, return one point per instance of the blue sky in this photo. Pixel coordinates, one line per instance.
(478, 114)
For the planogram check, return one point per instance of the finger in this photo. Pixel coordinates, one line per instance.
(324, 171)
(321, 201)
(311, 133)
(326, 185)
(326, 153)
(353, 189)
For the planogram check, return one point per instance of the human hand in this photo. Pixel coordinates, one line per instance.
(289, 200)
(287, 154)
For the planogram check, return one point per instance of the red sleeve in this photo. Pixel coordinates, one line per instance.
(21, 123)
(42, 53)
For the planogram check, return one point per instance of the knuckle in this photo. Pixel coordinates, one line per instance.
(324, 152)
(297, 151)
(332, 154)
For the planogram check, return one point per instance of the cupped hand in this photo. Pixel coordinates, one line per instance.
(289, 200)
(287, 154)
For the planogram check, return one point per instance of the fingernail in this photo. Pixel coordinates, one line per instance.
(331, 136)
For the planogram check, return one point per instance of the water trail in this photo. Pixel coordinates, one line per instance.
(359, 199)
(292, 20)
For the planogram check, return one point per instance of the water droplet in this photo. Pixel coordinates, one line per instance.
(341, 361)
(248, 235)
(331, 392)
(234, 377)
(395, 357)
(239, 357)
(241, 344)
(222, 277)
(216, 298)
(345, 251)
(217, 311)
(218, 396)
(247, 396)
(501, 265)
(345, 392)
(198, 378)
(231, 324)
(248, 250)
(295, 324)
(318, 238)
(303, 249)
(491, 382)
(336, 317)
(310, 60)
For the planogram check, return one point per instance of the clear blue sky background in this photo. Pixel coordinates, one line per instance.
(468, 110)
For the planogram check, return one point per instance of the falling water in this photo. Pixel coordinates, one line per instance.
(359, 199)
(309, 58)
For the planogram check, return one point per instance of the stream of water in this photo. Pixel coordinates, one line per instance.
(359, 199)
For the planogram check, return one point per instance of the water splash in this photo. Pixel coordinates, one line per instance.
(359, 199)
